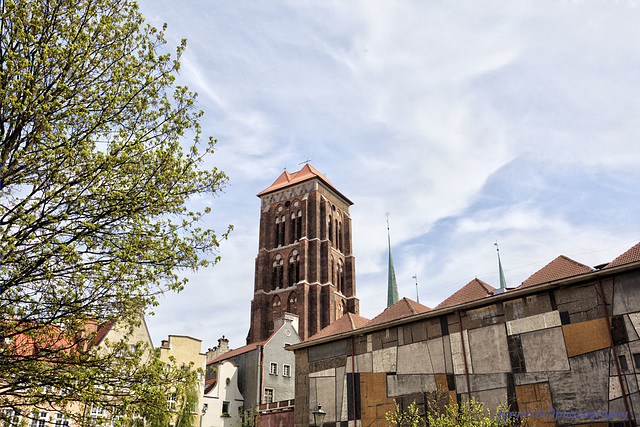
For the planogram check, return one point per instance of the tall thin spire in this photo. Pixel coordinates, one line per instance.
(503, 281)
(392, 287)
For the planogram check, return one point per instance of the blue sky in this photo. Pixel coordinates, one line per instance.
(468, 121)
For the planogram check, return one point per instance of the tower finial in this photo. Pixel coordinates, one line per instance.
(415, 276)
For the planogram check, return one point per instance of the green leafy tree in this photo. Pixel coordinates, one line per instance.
(249, 417)
(467, 413)
(407, 418)
(443, 413)
(100, 154)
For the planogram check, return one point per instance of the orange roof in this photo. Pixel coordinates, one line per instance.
(102, 332)
(632, 255)
(348, 322)
(403, 308)
(475, 289)
(30, 339)
(560, 268)
(209, 385)
(306, 173)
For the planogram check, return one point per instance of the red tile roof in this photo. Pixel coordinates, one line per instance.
(306, 173)
(403, 308)
(102, 332)
(632, 255)
(209, 385)
(475, 289)
(229, 354)
(560, 268)
(348, 322)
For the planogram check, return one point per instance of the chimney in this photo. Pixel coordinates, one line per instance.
(223, 347)
(289, 318)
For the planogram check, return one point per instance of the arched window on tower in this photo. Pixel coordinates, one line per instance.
(332, 276)
(292, 228)
(330, 228)
(299, 226)
(292, 305)
(282, 228)
(294, 269)
(276, 308)
(340, 281)
(340, 248)
(278, 266)
(277, 234)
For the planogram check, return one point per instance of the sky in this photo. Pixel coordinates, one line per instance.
(470, 122)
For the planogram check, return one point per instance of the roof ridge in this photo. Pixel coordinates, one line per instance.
(353, 325)
(573, 261)
(408, 302)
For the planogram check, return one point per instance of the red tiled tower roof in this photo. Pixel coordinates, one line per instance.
(304, 174)
(348, 322)
(632, 255)
(475, 289)
(560, 268)
(403, 308)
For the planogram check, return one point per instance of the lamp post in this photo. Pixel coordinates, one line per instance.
(318, 416)
(205, 406)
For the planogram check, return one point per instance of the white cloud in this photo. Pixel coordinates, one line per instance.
(466, 121)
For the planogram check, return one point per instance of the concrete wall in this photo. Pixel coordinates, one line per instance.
(547, 349)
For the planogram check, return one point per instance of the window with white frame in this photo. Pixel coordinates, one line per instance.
(39, 419)
(11, 418)
(273, 368)
(171, 401)
(96, 410)
(286, 370)
(61, 420)
(268, 395)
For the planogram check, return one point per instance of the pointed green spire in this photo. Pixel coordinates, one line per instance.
(392, 287)
(503, 281)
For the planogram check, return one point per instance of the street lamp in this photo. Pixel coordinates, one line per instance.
(318, 416)
(204, 411)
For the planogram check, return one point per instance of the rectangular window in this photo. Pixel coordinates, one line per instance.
(171, 401)
(273, 369)
(225, 409)
(623, 362)
(61, 420)
(286, 370)
(96, 411)
(12, 418)
(39, 419)
(636, 360)
(268, 395)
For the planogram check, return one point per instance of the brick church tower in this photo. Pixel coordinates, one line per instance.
(304, 264)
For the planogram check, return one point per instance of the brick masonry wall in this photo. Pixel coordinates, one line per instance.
(549, 349)
(318, 302)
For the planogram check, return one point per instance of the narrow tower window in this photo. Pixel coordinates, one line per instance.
(292, 230)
